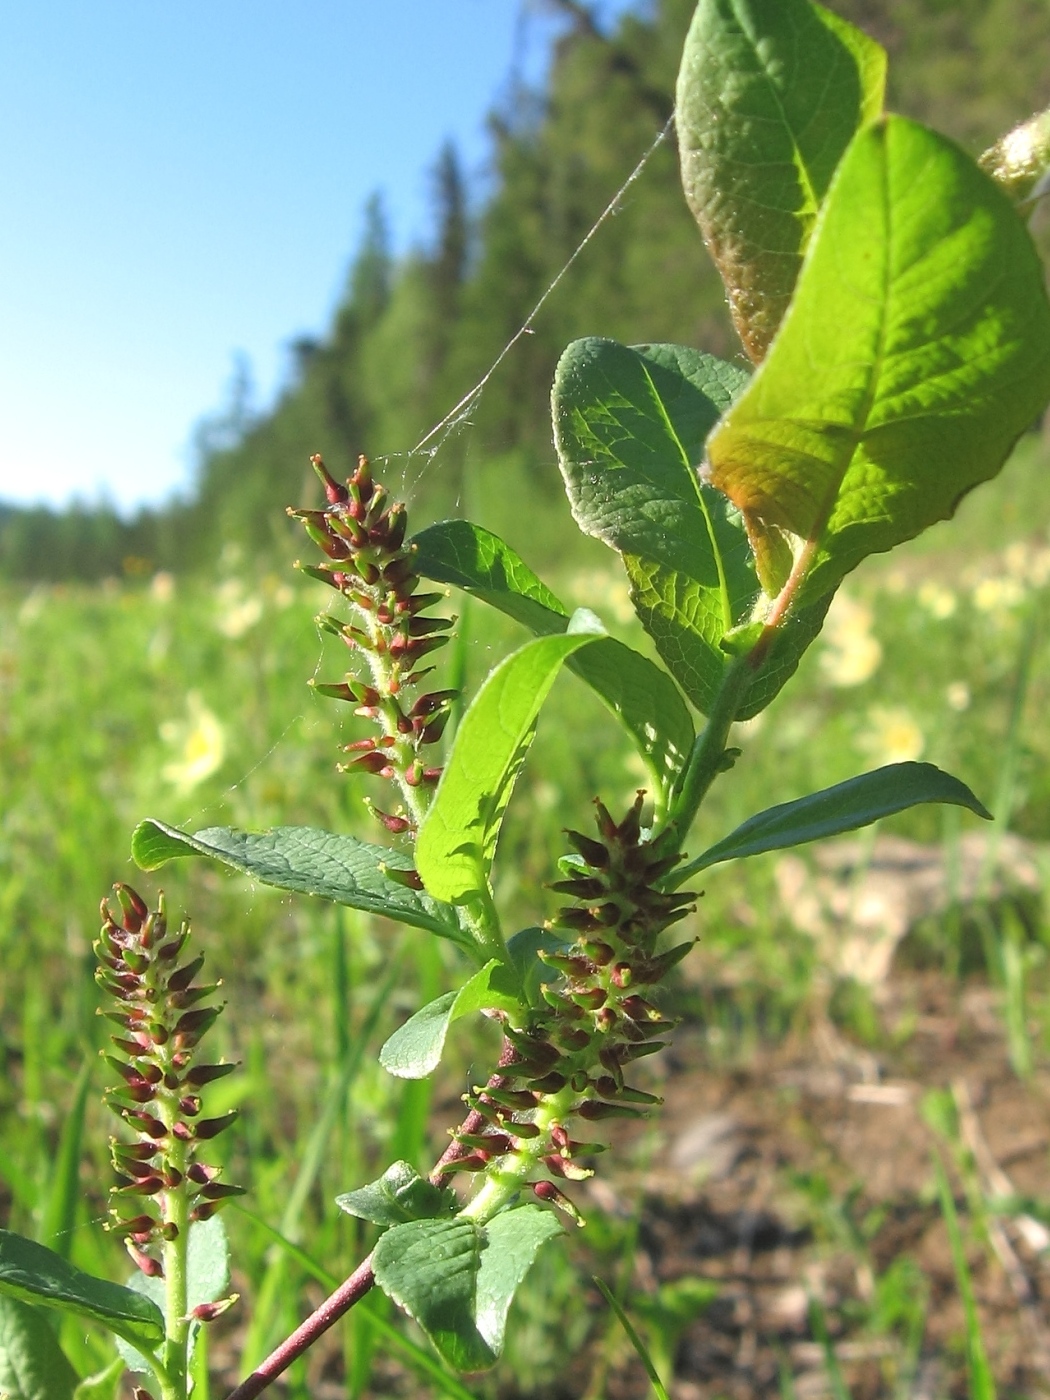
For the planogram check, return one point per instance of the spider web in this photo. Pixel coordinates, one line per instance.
(420, 459)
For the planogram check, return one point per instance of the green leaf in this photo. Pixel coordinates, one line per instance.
(844, 807)
(641, 695)
(645, 700)
(769, 94)
(479, 562)
(310, 861)
(458, 1279)
(32, 1364)
(673, 611)
(207, 1279)
(207, 1262)
(533, 973)
(399, 1195)
(512, 1241)
(102, 1385)
(457, 841)
(34, 1274)
(630, 426)
(916, 350)
(415, 1049)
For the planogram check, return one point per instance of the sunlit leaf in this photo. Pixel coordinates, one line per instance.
(640, 694)
(845, 807)
(916, 349)
(399, 1195)
(34, 1274)
(458, 1279)
(457, 840)
(415, 1048)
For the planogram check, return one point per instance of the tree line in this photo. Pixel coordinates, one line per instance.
(412, 335)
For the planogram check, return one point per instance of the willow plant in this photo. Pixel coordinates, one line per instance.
(892, 305)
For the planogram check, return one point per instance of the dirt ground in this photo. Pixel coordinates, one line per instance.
(805, 1174)
(725, 1204)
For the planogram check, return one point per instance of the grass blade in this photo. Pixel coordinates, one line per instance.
(982, 1385)
(659, 1389)
(818, 1322)
(56, 1227)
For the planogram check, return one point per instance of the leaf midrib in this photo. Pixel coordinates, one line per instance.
(799, 163)
(858, 430)
(723, 585)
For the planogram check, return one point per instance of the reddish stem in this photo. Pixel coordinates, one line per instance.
(353, 1289)
(304, 1336)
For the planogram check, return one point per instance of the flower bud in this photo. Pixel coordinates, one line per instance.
(548, 1192)
(334, 493)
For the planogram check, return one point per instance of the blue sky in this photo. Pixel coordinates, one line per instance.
(185, 182)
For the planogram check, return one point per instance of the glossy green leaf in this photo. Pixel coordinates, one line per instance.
(37, 1275)
(845, 807)
(457, 841)
(307, 860)
(415, 1048)
(32, 1364)
(399, 1195)
(458, 1279)
(770, 93)
(642, 696)
(916, 350)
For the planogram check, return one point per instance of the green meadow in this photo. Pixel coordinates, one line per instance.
(186, 698)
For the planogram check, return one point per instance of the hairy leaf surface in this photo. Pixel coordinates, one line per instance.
(399, 1195)
(770, 93)
(630, 426)
(307, 860)
(458, 1279)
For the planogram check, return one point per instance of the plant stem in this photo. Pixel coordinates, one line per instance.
(351, 1291)
(503, 1180)
(485, 926)
(360, 1282)
(708, 757)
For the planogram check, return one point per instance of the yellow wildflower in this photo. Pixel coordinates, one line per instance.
(893, 735)
(199, 743)
(851, 654)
